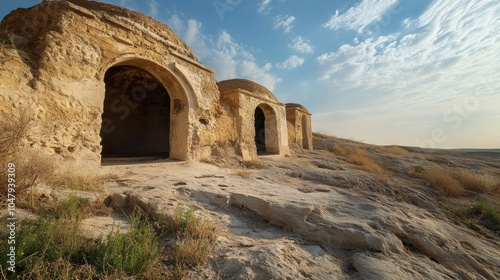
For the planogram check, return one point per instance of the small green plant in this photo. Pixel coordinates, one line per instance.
(419, 169)
(133, 252)
(483, 213)
(44, 244)
(488, 215)
(54, 248)
(7, 41)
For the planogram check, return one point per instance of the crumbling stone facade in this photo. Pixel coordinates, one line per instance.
(260, 118)
(299, 126)
(103, 81)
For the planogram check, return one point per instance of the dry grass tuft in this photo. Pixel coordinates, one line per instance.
(441, 179)
(78, 181)
(481, 183)
(394, 150)
(356, 155)
(33, 167)
(338, 150)
(323, 136)
(366, 162)
(194, 237)
(254, 164)
(243, 173)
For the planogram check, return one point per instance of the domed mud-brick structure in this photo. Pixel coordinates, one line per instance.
(260, 118)
(102, 81)
(299, 126)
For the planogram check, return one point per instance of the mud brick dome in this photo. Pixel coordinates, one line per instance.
(102, 82)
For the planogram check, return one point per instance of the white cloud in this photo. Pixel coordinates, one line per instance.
(360, 16)
(192, 32)
(263, 7)
(291, 63)
(228, 58)
(153, 8)
(301, 45)
(442, 62)
(285, 22)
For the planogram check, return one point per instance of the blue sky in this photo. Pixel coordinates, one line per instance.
(407, 72)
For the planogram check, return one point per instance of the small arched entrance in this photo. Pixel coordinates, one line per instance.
(266, 130)
(136, 115)
(260, 130)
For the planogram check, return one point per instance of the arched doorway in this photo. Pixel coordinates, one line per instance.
(305, 135)
(136, 115)
(260, 130)
(266, 130)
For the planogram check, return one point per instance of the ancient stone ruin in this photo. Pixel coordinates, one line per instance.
(102, 81)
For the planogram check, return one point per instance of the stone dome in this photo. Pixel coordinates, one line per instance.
(296, 106)
(246, 85)
(103, 11)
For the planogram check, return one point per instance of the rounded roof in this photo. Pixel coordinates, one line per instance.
(139, 21)
(246, 85)
(296, 106)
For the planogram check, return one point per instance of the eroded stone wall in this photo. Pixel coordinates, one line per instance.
(244, 106)
(55, 60)
(299, 126)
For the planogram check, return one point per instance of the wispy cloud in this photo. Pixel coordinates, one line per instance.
(291, 63)
(439, 63)
(263, 6)
(153, 8)
(228, 58)
(301, 45)
(285, 22)
(360, 16)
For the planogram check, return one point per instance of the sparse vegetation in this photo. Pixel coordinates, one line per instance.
(481, 183)
(366, 162)
(338, 150)
(454, 183)
(254, 164)
(78, 181)
(34, 167)
(194, 238)
(359, 157)
(482, 213)
(394, 150)
(53, 248)
(441, 179)
(6, 42)
(243, 173)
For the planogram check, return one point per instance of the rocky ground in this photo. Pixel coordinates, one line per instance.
(315, 216)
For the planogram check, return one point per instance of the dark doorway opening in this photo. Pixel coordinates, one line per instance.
(260, 130)
(136, 117)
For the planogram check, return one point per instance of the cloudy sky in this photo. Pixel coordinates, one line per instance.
(406, 72)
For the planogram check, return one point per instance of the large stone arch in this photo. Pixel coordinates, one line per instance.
(182, 99)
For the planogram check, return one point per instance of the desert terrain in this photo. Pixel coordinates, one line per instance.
(345, 210)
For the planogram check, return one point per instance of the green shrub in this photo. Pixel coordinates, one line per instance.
(132, 252)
